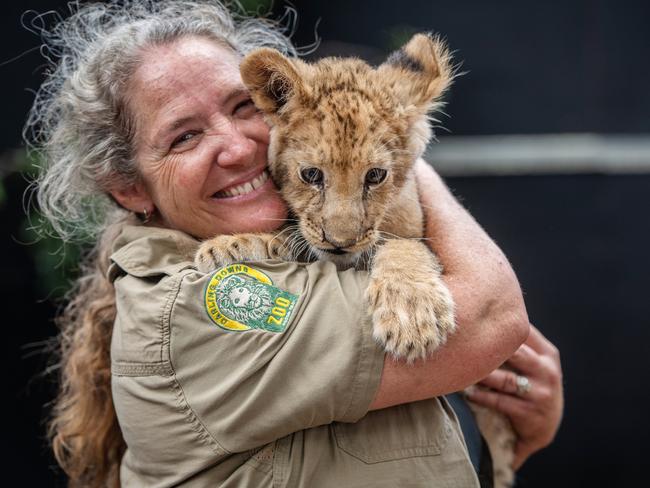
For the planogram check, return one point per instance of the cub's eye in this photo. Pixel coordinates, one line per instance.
(311, 176)
(375, 176)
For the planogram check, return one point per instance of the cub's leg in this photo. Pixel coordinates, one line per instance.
(411, 308)
(227, 249)
(500, 438)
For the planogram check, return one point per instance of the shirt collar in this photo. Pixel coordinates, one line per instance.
(145, 251)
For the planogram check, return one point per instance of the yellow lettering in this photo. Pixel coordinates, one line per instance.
(283, 302)
(272, 320)
(280, 312)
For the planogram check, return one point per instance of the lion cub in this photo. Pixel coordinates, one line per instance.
(344, 139)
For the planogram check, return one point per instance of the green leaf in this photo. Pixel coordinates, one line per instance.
(256, 7)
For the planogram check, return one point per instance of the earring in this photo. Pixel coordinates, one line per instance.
(146, 216)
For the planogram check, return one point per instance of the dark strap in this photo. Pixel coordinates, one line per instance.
(485, 472)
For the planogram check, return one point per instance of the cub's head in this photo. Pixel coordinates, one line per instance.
(344, 136)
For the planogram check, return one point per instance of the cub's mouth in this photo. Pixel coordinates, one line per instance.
(337, 252)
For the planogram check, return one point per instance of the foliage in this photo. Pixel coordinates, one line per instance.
(55, 263)
(256, 7)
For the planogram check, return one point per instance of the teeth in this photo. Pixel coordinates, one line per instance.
(260, 180)
(244, 187)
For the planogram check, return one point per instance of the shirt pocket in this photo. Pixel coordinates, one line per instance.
(404, 431)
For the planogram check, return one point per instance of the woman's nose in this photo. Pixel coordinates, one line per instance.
(237, 150)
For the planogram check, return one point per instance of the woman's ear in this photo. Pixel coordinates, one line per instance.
(135, 198)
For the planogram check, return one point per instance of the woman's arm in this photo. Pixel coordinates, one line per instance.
(490, 312)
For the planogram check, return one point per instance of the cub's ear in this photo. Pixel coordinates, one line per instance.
(272, 79)
(419, 72)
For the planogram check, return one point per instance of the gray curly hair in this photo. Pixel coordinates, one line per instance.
(79, 127)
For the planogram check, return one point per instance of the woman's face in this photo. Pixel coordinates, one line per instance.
(201, 146)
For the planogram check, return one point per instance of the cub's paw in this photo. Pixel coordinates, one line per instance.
(411, 320)
(412, 310)
(226, 249)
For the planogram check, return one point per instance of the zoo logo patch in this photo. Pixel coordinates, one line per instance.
(239, 298)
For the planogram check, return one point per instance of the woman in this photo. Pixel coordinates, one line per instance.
(146, 115)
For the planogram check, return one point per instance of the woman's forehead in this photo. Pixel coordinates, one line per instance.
(184, 64)
(188, 74)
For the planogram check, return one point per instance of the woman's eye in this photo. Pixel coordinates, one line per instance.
(311, 176)
(184, 137)
(245, 107)
(375, 176)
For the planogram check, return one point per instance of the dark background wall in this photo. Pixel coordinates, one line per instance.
(578, 242)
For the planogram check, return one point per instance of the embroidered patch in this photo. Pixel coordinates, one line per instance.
(240, 298)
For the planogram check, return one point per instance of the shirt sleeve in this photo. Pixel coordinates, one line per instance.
(305, 358)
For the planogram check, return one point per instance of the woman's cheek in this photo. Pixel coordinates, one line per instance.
(192, 167)
(257, 129)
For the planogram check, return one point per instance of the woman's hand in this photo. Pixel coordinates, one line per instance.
(535, 414)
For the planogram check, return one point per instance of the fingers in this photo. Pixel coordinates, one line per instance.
(525, 360)
(501, 380)
(538, 367)
(509, 405)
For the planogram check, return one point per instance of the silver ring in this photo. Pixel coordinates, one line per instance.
(523, 385)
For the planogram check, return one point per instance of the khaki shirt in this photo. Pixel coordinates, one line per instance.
(260, 375)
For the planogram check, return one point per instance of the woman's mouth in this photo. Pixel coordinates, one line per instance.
(244, 188)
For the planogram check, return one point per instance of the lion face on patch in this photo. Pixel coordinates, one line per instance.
(344, 137)
(244, 300)
(239, 297)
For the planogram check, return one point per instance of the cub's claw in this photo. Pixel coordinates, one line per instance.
(226, 249)
(409, 322)
(411, 308)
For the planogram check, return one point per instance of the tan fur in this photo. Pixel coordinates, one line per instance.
(345, 119)
(501, 440)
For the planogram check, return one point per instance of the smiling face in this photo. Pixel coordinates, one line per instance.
(201, 145)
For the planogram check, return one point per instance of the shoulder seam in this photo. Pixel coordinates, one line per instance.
(162, 367)
(165, 318)
(203, 434)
